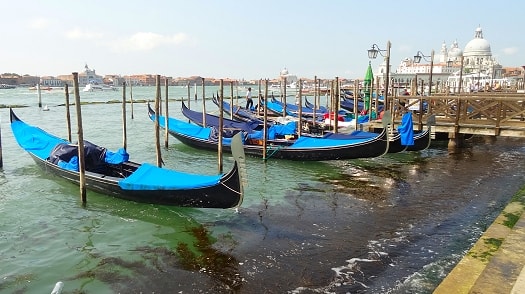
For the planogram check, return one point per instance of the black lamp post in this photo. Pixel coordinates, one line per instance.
(372, 54)
(417, 59)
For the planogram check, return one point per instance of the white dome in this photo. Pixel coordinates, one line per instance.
(284, 72)
(478, 46)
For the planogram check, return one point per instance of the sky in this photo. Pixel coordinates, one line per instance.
(235, 39)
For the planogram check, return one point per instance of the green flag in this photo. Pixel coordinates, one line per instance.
(367, 83)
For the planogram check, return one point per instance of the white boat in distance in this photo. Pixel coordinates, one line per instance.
(98, 87)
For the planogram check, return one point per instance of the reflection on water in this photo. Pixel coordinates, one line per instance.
(395, 224)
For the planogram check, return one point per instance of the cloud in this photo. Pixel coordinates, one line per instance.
(510, 50)
(144, 41)
(39, 23)
(78, 34)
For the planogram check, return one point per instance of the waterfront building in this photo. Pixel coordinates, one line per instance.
(49, 81)
(477, 59)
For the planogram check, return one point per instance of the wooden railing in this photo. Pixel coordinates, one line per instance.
(492, 113)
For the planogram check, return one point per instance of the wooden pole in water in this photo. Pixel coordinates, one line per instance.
(259, 99)
(157, 135)
(315, 101)
(166, 115)
(203, 104)
(68, 115)
(332, 97)
(81, 162)
(356, 109)
(189, 99)
(265, 111)
(195, 87)
(336, 104)
(231, 100)
(124, 130)
(221, 124)
(284, 98)
(299, 126)
(39, 95)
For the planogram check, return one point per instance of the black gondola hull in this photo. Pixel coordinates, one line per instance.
(220, 196)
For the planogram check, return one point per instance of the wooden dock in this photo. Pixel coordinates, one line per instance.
(490, 114)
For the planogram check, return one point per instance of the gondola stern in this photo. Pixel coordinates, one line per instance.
(12, 116)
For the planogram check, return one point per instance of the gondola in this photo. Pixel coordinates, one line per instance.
(238, 112)
(305, 148)
(277, 107)
(111, 173)
(207, 120)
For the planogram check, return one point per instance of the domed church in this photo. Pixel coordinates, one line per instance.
(477, 56)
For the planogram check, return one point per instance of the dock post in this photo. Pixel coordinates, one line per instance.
(81, 162)
(39, 95)
(157, 118)
(124, 123)
(221, 124)
(455, 142)
(68, 115)
(166, 114)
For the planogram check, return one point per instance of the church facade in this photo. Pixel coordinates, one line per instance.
(477, 59)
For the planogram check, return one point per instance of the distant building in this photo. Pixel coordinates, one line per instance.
(50, 81)
(477, 58)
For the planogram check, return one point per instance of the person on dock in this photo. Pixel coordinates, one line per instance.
(249, 100)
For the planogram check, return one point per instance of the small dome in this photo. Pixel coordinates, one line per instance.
(284, 72)
(454, 51)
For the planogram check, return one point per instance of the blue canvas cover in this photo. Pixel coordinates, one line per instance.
(116, 157)
(275, 131)
(406, 129)
(150, 177)
(35, 140)
(335, 141)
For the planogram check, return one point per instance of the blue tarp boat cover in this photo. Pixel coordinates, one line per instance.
(334, 140)
(406, 129)
(95, 157)
(275, 131)
(150, 177)
(35, 140)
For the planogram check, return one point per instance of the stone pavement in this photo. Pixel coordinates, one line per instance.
(496, 262)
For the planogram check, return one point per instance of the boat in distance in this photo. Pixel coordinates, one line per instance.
(111, 173)
(305, 148)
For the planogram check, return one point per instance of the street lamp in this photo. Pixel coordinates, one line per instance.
(417, 59)
(372, 54)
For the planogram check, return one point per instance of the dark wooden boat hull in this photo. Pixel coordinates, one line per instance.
(220, 196)
(421, 141)
(373, 148)
(394, 145)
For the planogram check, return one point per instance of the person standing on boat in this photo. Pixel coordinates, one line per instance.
(249, 101)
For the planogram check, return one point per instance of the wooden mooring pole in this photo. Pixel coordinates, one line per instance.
(221, 124)
(81, 162)
(203, 102)
(68, 114)
(157, 114)
(265, 120)
(166, 115)
(124, 129)
(39, 95)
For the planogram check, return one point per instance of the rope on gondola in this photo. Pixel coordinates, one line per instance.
(274, 150)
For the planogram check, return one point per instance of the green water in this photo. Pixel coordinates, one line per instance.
(358, 226)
